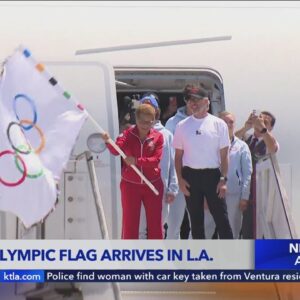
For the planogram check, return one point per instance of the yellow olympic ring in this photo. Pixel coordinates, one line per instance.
(40, 132)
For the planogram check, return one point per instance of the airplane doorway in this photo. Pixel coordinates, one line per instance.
(167, 83)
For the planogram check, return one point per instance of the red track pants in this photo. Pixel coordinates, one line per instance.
(132, 196)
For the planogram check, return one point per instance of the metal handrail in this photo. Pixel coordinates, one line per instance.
(275, 172)
(283, 195)
(100, 211)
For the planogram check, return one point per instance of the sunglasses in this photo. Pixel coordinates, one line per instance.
(193, 98)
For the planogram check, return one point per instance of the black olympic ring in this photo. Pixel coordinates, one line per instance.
(10, 141)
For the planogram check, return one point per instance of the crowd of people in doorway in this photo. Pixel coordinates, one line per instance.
(203, 168)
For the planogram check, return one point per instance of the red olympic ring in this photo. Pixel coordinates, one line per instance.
(11, 184)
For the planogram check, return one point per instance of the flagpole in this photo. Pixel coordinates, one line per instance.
(117, 148)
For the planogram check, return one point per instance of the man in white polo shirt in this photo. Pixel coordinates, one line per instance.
(201, 142)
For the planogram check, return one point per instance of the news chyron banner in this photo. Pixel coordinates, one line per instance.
(149, 261)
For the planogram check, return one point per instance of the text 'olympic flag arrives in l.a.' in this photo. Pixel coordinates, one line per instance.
(39, 124)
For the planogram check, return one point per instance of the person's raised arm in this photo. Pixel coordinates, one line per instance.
(261, 125)
(121, 140)
(247, 126)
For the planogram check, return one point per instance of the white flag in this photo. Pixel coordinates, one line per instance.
(39, 124)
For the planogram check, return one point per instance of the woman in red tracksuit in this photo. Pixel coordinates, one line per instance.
(143, 147)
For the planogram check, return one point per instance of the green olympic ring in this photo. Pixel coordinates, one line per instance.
(33, 176)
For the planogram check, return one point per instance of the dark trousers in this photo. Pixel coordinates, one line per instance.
(203, 183)
(185, 226)
(247, 224)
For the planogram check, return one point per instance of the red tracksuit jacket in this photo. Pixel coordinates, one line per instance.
(148, 154)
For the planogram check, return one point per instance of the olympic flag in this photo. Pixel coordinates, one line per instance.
(39, 124)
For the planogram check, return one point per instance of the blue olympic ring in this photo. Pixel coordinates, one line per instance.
(31, 102)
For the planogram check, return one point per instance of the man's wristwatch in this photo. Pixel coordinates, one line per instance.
(264, 130)
(223, 178)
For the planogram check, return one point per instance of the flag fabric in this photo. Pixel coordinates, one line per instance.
(39, 124)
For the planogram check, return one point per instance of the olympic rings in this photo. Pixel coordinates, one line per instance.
(40, 132)
(11, 142)
(31, 102)
(26, 147)
(12, 184)
(38, 174)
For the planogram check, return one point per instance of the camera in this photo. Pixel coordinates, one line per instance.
(256, 112)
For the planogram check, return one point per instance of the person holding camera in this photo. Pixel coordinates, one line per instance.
(201, 144)
(260, 143)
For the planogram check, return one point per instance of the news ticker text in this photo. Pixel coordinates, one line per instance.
(149, 276)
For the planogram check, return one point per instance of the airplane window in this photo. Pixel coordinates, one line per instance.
(95, 143)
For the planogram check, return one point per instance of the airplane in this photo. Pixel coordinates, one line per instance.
(257, 69)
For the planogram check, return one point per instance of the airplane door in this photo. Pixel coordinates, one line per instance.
(75, 217)
(93, 85)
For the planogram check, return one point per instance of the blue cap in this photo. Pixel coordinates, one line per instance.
(149, 99)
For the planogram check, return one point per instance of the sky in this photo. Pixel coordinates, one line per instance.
(260, 66)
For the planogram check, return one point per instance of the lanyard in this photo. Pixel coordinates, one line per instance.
(233, 141)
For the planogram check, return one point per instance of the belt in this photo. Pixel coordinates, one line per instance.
(205, 169)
